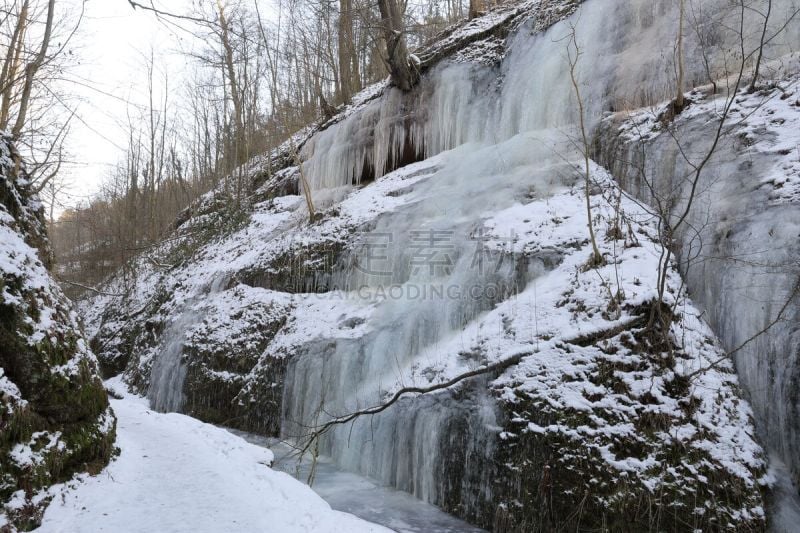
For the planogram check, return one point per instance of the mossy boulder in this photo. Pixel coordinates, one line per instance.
(633, 450)
(304, 267)
(55, 419)
(230, 380)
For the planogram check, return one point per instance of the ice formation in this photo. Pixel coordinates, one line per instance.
(483, 157)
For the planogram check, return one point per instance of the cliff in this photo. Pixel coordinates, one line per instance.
(55, 420)
(452, 236)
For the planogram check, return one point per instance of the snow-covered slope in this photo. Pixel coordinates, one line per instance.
(54, 415)
(452, 236)
(740, 253)
(587, 383)
(177, 474)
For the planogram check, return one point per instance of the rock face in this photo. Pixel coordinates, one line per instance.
(452, 235)
(54, 414)
(595, 415)
(740, 252)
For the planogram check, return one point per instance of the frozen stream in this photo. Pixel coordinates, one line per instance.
(355, 494)
(785, 508)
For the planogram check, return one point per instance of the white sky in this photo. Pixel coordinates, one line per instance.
(112, 43)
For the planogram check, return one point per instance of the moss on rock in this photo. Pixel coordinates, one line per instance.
(55, 419)
(305, 267)
(230, 380)
(648, 466)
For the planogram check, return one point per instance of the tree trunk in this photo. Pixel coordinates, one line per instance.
(9, 72)
(475, 8)
(753, 83)
(679, 100)
(31, 69)
(404, 75)
(239, 141)
(345, 36)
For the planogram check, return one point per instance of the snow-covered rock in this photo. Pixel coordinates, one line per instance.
(452, 234)
(54, 415)
(740, 251)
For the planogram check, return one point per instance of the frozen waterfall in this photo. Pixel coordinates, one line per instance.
(498, 136)
(627, 61)
(169, 372)
(430, 270)
(508, 127)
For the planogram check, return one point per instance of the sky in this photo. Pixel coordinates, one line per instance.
(109, 79)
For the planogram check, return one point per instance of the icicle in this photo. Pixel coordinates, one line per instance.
(168, 372)
(627, 46)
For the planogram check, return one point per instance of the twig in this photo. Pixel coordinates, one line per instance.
(500, 365)
(157, 264)
(161, 13)
(88, 288)
(750, 339)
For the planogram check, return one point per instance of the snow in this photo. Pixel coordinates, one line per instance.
(35, 452)
(20, 261)
(506, 177)
(766, 122)
(770, 122)
(177, 474)
(9, 392)
(747, 220)
(27, 285)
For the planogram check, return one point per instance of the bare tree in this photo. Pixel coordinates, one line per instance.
(31, 70)
(9, 76)
(573, 55)
(348, 62)
(402, 69)
(679, 98)
(30, 76)
(764, 40)
(674, 206)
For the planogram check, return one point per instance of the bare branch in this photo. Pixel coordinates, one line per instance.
(488, 369)
(88, 288)
(753, 337)
(162, 13)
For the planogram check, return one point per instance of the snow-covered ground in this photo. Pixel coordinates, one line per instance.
(178, 474)
(358, 495)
